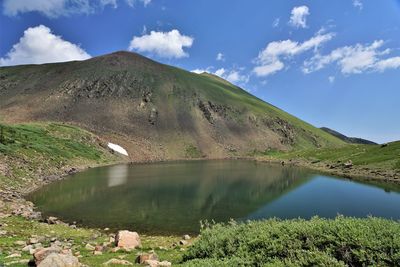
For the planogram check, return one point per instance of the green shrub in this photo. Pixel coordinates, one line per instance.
(316, 242)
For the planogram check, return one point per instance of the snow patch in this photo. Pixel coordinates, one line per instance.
(118, 149)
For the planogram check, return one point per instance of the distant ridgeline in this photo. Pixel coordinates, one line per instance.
(350, 140)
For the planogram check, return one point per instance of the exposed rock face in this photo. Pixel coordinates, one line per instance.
(59, 260)
(128, 240)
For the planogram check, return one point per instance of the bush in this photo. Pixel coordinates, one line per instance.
(316, 242)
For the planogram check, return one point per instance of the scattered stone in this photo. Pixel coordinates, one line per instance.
(53, 239)
(15, 255)
(59, 260)
(3, 232)
(116, 249)
(99, 248)
(154, 263)
(348, 164)
(97, 253)
(183, 242)
(117, 262)
(27, 248)
(52, 220)
(89, 247)
(186, 237)
(20, 243)
(128, 240)
(33, 240)
(146, 256)
(106, 229)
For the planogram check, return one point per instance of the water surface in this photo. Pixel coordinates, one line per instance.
(173, 197)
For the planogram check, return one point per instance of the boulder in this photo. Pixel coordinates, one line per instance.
(117, 262)
(127, 240)
(41, 254)
(59, 260)
(146, 256)
(52, 220)
(89, 247)
(186, 237)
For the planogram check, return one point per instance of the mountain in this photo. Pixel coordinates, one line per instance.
(350, 140)
(153, 110)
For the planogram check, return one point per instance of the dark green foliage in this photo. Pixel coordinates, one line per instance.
(316, 242)
(192, 152)
(397, 165)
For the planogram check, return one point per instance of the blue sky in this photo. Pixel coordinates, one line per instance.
(331, 63)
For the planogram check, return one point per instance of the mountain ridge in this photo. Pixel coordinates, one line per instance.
(155, 111)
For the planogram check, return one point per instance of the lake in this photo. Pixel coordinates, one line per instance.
(173, 197)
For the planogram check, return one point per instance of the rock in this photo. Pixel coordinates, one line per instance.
(41, 254)
(53, 239)
(3, 232)
(98, 248)
(348, 164)
(20, 243)
(186, 237)
(89, 247)
(97, 253)
(146, 256)
(116, 249)
(18, 263)
(59, 260)
(52, 220)
(117, 262)
(154, 263)
(15, 255)
(27, 248)
(33, 240)
(128, 240)
(106, 229)
(183, 242)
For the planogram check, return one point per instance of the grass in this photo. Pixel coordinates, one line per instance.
(373, 156)
(20, 229)
(316, 242)
(192, 152)
(40, 149)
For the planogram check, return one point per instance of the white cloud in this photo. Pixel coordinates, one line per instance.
(358, 4)
(298, 16)
(270, 60)
(355, 59)
(276, 22)
(39, 45)
(331, 79)
(235, 75)
(220, 57)
(58, 8)
(164, 44)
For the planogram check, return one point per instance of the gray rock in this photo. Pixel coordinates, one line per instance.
(59, 260)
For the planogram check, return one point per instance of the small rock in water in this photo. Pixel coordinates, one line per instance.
(117, 262)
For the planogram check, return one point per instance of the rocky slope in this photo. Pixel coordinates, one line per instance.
(350, 140)
(153, 110)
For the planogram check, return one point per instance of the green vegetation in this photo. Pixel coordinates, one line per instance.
(373, 156)
(20, 229)
(192, 152)
(317, 242)
(39, 149)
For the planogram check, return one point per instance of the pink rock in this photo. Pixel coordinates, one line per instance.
(128, 240)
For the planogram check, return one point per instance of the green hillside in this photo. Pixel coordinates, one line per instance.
(155, 111)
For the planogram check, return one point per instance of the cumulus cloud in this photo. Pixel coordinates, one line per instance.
(270, 60)
(331, 79)
(39, 45)
(298, 16)
(235, 75)
(355, 59)
(58, 8)
(220, 57)
(358, 4)
(164, 44)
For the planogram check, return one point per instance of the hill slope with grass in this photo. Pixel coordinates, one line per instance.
(350, 140)
(155, 111)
